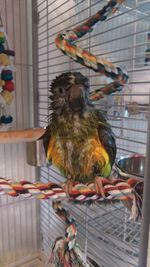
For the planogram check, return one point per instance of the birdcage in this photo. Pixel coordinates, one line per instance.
(106, 233)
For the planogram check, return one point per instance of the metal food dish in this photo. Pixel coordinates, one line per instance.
(131, 166)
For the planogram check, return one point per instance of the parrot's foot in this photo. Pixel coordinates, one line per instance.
(68, 186)
(99, 188)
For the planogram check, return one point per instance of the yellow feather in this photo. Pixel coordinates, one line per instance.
(92, 152)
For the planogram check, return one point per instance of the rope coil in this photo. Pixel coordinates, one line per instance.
(66, 43)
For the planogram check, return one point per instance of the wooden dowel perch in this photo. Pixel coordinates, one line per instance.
(19, 136)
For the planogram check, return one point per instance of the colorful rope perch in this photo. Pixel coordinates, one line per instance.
(114, 190)
(66, 43)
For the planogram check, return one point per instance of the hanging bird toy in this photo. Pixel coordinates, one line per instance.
(6, 80)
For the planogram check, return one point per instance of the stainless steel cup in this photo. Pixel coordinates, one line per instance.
(35, 153)
(131, 166)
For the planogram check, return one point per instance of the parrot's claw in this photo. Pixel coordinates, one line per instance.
(99, 186)
(68, 186)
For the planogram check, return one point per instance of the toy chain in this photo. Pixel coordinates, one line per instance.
(66, 43)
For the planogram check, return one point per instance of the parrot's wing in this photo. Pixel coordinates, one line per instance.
(106, 136)
(46, 139)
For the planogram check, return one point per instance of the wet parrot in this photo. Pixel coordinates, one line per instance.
(78, 140)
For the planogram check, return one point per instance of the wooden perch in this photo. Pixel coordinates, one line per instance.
(19, 136)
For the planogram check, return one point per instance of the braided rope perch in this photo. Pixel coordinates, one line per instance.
(66, 43)
(66, 252)
(117, 189)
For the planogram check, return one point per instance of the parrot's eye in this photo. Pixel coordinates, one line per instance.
(61, 90)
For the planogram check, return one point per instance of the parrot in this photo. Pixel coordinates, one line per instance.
(78, 139)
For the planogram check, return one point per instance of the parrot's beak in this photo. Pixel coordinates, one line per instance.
(77, 97)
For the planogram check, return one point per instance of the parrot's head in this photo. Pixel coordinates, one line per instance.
(70, 93)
